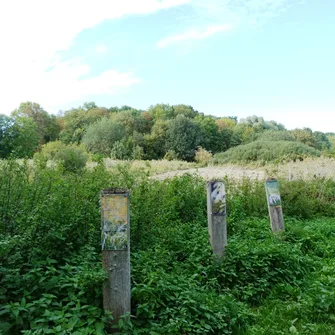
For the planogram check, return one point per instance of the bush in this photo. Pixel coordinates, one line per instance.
(276, 135)
(202, 156)
(50, 277)
(252, 267)
(167, 304)
(51, 149)
(265, 151)
(55, 298)
(171, 155)
(73, 158)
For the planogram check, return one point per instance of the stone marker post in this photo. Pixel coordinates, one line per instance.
(274, 205)
(115, 242)
(216, 211)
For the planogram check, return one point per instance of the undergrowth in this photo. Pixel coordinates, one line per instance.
(50, 258)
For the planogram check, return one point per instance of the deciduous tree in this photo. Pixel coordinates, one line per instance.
(183, 137)
(47, 125)
(100, 136)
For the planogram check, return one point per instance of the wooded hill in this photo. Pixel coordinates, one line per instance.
(161, 131)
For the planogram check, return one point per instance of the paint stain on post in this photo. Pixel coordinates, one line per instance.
(218, 198)
(274, 205)
(272, 190)
(114, 230)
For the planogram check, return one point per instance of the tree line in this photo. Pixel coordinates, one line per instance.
(161, 131)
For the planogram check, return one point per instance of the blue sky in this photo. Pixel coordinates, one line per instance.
(271, 58)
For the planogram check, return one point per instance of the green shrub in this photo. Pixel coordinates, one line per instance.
(172, 289)
(265, 151)
(55, 298)
(251, 268)
(71, 157)
(276, 135)
(171, 155)
(51, 149)
(170, 304)
(302, 199)
(202, 156)
(307, 199)
(157, 204)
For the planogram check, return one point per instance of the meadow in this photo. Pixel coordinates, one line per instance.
(50, 259)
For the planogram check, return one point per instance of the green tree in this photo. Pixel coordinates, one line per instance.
(243, 133)
(168, 112)
(321, 141)
(115, 109)
(100, 136)
(185, 110)
(211, 137)
(27, 138)
(47, 125)
(161, 112)
(227, 122)
(7, 135)
(75, 122)
(89, 105)
(305, 136)
(259, 124)
(154, 143)
(226, 127)
(183, 136)
(331, 139)
(273, 125)
(133, 121)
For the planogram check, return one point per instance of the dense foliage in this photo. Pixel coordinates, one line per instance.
(266, 151)
(50, 267)
(161, 131)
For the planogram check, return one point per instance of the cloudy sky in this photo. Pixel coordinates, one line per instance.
(271, 58)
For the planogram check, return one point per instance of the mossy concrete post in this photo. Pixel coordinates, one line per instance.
(216, 211)
(274, 205)
(115, 242)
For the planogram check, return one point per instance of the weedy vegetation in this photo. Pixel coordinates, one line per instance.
(50, 259)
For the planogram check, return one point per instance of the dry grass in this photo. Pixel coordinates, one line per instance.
(306, 169)
(321, 167)
(153, 166)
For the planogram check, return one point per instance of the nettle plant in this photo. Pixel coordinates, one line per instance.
(50, 261)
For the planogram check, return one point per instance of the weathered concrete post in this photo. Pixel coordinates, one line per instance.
(216, 211)
(115, 242)
(274, 205)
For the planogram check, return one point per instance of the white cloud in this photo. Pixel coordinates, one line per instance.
(195, 34)
(225, 15)
(66, 83)
(33, 32)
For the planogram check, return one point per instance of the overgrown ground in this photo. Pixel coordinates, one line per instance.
(50, 262)
(309, 168)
